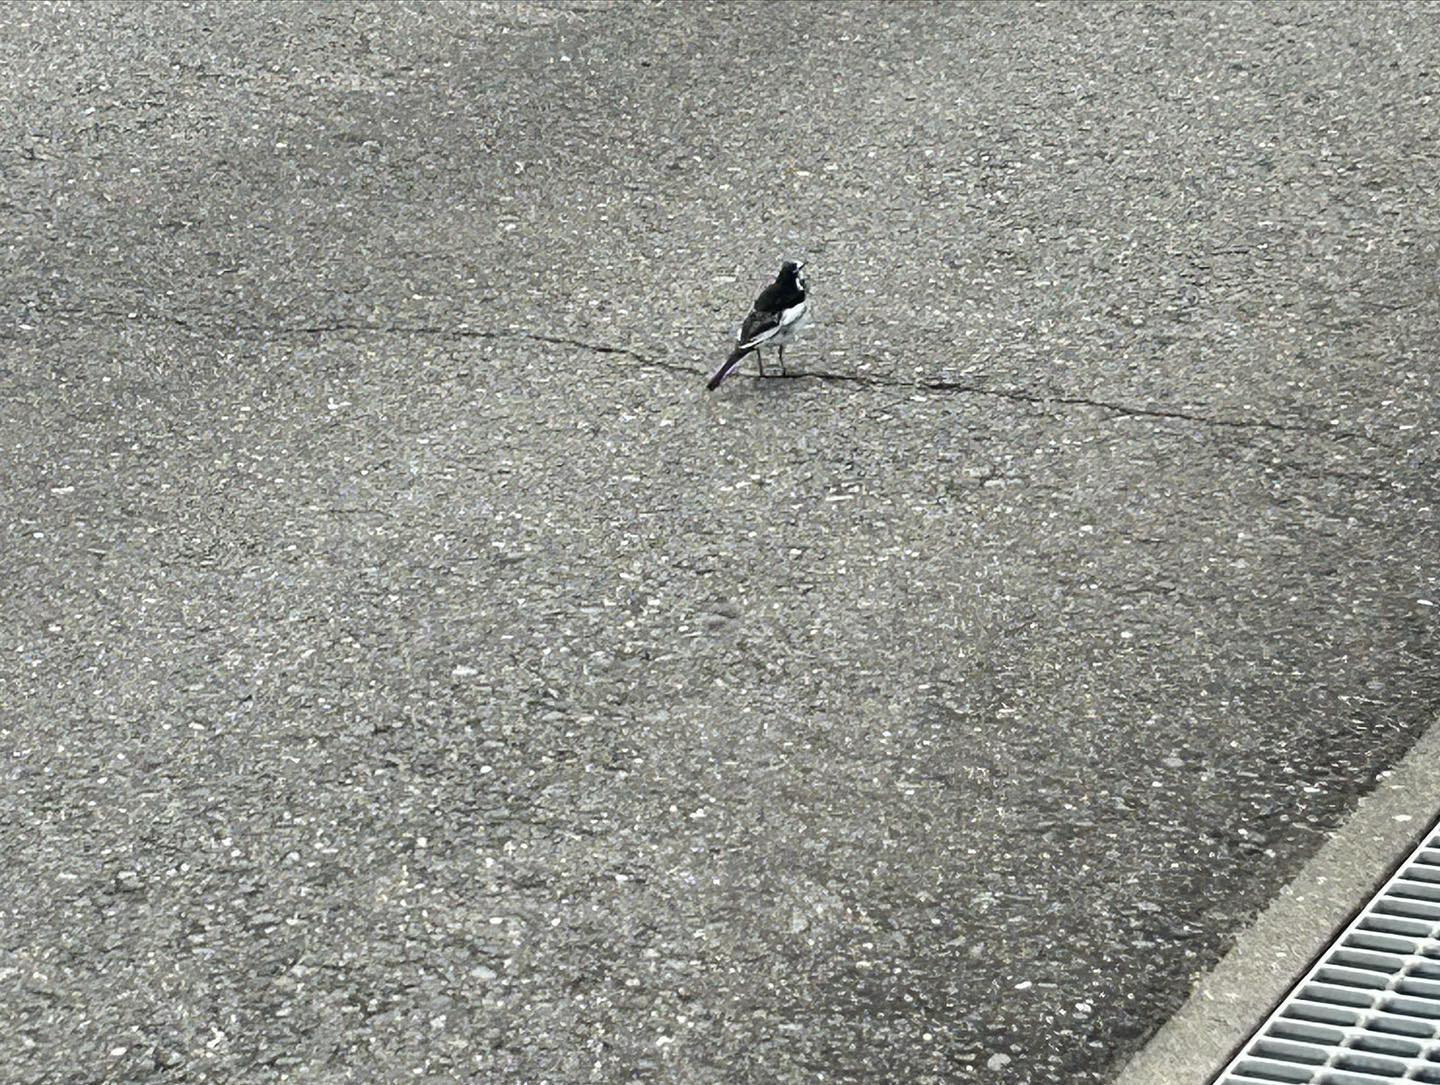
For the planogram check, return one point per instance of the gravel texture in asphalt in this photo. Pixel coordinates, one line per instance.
(408, 673)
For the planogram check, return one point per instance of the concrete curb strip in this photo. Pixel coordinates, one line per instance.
(1233, 1000)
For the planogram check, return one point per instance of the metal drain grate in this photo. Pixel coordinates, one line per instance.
(1369, 1011)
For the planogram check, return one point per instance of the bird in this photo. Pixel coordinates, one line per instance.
(773, 321)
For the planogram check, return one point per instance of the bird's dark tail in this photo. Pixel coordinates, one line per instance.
(729, 367)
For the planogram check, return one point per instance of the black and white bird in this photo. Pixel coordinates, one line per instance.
(773, 321)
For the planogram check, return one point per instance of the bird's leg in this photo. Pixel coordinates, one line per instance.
(760, 361)
(782, 361)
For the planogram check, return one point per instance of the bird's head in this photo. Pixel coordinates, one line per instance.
(794, 270)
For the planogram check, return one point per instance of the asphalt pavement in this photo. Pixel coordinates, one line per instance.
(409, 673)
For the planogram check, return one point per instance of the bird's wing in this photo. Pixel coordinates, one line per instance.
(762, 324)
(759, 326)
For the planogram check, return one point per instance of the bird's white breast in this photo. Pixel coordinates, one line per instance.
(790, 321)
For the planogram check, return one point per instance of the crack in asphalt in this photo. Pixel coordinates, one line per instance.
(674, 367)
(428, 330)
(463, 333)
(1043, 399)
